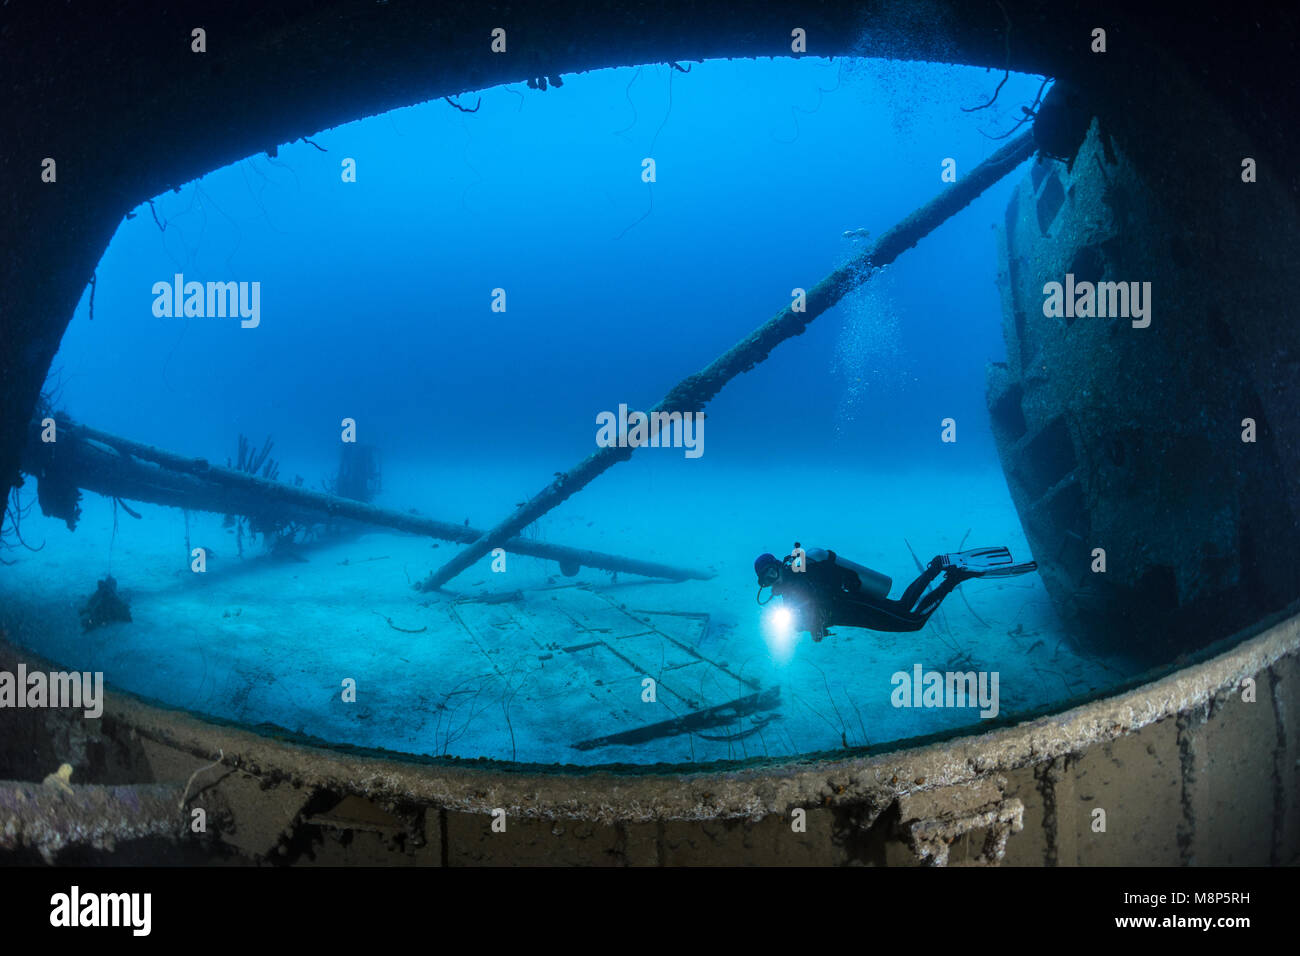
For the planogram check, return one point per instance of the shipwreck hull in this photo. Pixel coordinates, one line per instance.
(1199, 528)
(1125, 443)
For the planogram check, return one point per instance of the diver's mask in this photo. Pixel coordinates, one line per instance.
(768, 569)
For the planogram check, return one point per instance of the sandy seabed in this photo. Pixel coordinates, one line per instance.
(482, 671)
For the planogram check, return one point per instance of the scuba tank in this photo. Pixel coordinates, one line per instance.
(873, 583)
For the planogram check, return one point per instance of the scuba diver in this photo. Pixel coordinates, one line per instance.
(830, 590)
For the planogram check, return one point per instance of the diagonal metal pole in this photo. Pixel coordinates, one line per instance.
(694, 391)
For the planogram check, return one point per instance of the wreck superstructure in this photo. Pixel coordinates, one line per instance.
(1128, 440)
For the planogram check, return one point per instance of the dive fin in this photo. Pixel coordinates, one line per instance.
(986, 562)
(1011, 570)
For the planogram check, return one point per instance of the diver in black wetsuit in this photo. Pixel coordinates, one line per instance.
(831, 590)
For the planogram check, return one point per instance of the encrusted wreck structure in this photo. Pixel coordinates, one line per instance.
(1117, 438)
(1151, 459)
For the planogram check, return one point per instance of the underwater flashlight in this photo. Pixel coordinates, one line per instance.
(779, 632)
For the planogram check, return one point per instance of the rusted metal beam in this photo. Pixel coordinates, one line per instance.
(49, 818)
(121, 468)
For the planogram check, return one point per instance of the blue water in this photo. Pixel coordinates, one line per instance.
(376, 295)
(376, 305)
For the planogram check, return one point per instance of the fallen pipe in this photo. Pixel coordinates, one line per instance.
(693, 392)
(121, 468)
